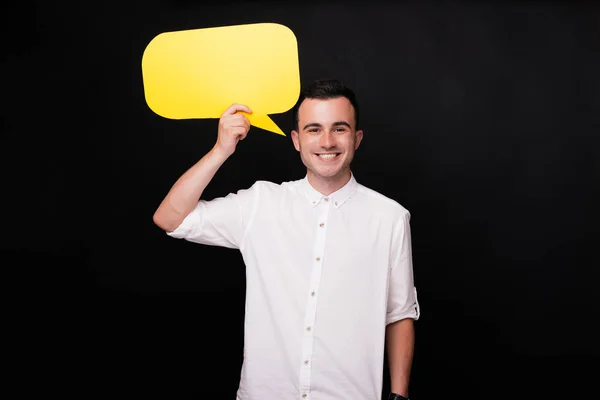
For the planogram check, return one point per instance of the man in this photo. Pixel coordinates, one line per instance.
(328, 261)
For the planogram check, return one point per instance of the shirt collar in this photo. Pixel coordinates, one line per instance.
(337, 198)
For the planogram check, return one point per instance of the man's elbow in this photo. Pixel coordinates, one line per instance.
(164, 223)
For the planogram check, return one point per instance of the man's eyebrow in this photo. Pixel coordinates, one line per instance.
(338, 123)
(312, 124)
(317, 125)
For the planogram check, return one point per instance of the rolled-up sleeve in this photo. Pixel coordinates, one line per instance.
(219, 222)
(402, 293)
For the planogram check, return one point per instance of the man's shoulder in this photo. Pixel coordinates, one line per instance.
(267, 186)
(380, 201)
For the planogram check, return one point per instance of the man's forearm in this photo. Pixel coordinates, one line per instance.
(185, 193)
(400, 339)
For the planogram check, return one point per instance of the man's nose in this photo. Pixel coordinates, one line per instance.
(327, 140)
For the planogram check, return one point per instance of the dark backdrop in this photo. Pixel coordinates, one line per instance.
(481, 118)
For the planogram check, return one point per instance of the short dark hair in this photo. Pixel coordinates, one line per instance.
(325, 89)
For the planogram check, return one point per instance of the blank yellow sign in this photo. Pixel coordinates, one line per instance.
(199, 73)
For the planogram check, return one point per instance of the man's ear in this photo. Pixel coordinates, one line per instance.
(359, 137)
(295, 140)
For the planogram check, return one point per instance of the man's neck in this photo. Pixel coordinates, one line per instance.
(326, 186)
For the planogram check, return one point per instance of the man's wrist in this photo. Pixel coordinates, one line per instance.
(396, 396)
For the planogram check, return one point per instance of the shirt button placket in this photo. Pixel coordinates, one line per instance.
(305, 369)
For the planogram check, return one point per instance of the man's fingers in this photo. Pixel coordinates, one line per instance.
(234, 108)
(239, 132)
(236, 120)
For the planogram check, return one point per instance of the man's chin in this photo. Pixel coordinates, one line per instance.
(328, 174)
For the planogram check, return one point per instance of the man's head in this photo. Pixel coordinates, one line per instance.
(326, 133)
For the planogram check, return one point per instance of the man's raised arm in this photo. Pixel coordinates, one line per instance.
(184, 195)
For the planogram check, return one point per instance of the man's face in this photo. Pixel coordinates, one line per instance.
(327, 137)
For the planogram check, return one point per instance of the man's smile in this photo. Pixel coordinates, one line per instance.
(327, 156)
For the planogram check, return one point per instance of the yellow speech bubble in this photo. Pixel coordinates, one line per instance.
(198, 73)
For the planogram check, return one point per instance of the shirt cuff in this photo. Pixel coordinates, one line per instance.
(413, 311)
(188, 224)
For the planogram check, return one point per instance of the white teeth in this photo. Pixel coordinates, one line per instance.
(327, 156)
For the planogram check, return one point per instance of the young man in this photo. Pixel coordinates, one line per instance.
(328, 261)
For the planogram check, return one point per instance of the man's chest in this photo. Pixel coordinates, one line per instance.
(353, 247)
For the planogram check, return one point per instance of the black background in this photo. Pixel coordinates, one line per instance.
(481, 118)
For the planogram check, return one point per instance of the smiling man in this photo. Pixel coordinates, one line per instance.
(330, 283)
(326, 137)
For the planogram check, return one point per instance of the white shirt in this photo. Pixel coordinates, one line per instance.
(324, 275)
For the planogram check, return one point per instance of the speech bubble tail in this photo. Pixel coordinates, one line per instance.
(264, 122)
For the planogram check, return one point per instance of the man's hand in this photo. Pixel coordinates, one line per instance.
(233, 127)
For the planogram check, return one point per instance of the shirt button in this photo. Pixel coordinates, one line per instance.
(308, 329)
(304, 396)
(306, 362)
(318, 258)
(326, 199)
(321, 224)
(312, 293)
(335, 203)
